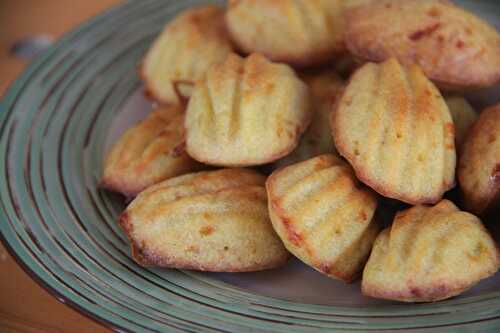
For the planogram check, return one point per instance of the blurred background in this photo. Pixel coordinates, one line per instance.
(21, 20)
(25, 27)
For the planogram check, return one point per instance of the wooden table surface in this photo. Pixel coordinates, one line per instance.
(24, 305)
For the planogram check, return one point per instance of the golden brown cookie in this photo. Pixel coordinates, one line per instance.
(248, 111)
(325, 87)
(192, 42)
(210, 221)
(429, 254)
(455, 49)
(463, 117)
(297, 32)
(395, 129)
(148, 153)
(323, 216)
(479, 164)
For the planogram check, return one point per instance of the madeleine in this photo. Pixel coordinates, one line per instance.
(323, 215)
(192, 42)
(300, 33)
(148, 153)
(209, 221)
(246, 112)
(325, 88)
(395, 129)
(454, 48)
(463, 117)
(479, 164)
(429, 254)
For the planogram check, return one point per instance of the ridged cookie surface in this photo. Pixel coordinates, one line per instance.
(429, 254)
(210, 221)
(456, 49)
(463, 117)
(148, 153)
(323, 216)
(394, 127)
(325, 87)
(297, 32)
(182, 53)
(479, 164)
(248, 111)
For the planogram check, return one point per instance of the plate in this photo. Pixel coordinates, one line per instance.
(57, 120)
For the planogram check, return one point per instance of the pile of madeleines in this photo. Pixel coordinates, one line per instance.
(291, 126)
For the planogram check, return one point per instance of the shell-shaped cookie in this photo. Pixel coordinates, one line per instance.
(182, 53)
(210, 221)
(325, 88)
(455, 49)
(463, 117)
(148, 153)
(297, 32)
(394, 127)
(479, 163)
(323, 216)
(246, 112)
(429, 254)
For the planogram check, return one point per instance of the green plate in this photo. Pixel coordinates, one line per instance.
(56, 122)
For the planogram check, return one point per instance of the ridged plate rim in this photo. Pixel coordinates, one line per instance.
(209, 299)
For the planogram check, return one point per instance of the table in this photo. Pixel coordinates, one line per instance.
(24, 305)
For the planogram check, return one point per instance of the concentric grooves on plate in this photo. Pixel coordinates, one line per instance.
(54, 120)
